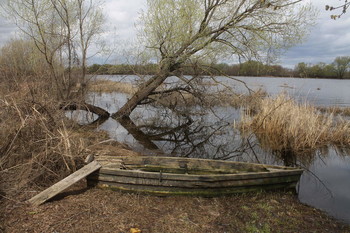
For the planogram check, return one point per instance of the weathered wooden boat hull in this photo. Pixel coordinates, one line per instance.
(183, 176)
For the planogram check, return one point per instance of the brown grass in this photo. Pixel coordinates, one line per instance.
(35, 144)
(343, 111)
(239, 100)
(283, 125)
(108, 86)
(38, 144)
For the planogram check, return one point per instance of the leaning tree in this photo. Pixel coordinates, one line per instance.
(180, 32)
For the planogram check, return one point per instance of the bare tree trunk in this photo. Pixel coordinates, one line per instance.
(140, 95)
(87, 107)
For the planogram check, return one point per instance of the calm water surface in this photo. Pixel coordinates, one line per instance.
(325, 183)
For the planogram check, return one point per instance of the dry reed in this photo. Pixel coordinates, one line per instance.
(225, 98)
(343, 111)
(281, 124)
(109, 86)
(239, 100)
(37, 146)
(40, 146)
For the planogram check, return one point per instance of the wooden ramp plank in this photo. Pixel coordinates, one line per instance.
(65, 183)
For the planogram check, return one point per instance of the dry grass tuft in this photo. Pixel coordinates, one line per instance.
(283, 125)
(343, 111)
(109, 86)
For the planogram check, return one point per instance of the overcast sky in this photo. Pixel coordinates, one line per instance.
(327, 40)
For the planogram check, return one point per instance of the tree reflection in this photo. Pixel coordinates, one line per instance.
(195, 134)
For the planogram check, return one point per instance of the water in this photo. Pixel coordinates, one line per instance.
(321, 92)
(209, 134)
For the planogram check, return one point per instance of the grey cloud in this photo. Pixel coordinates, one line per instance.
(327, 40)
(7, 30)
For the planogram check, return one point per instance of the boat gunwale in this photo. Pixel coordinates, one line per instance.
(189, 177)
(139, 158)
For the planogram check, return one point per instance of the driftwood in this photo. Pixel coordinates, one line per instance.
(89, 159)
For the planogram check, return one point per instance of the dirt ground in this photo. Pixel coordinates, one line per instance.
(94, 210)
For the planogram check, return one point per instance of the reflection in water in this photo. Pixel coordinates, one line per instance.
(326, 184)
(141, 137)
(187, 135)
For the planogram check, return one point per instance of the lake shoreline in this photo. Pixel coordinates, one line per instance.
(233, 76)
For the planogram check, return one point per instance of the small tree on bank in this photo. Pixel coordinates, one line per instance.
(179, 32)
(341, 66)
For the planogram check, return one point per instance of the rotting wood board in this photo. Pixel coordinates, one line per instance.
(65, 183)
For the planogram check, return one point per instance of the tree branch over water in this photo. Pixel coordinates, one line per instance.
(184, 30)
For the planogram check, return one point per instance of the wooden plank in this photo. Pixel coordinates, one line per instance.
(192, 184)
(89, 159)
(208, 192)
(65, 183)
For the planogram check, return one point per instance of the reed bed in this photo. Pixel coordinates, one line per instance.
(211, 99)
(108, 86)
(248, 101)
(343, 111)
(281, 124)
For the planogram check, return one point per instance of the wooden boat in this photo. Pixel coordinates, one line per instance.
(186, 176)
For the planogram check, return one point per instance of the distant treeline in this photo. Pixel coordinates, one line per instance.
(338, 69)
